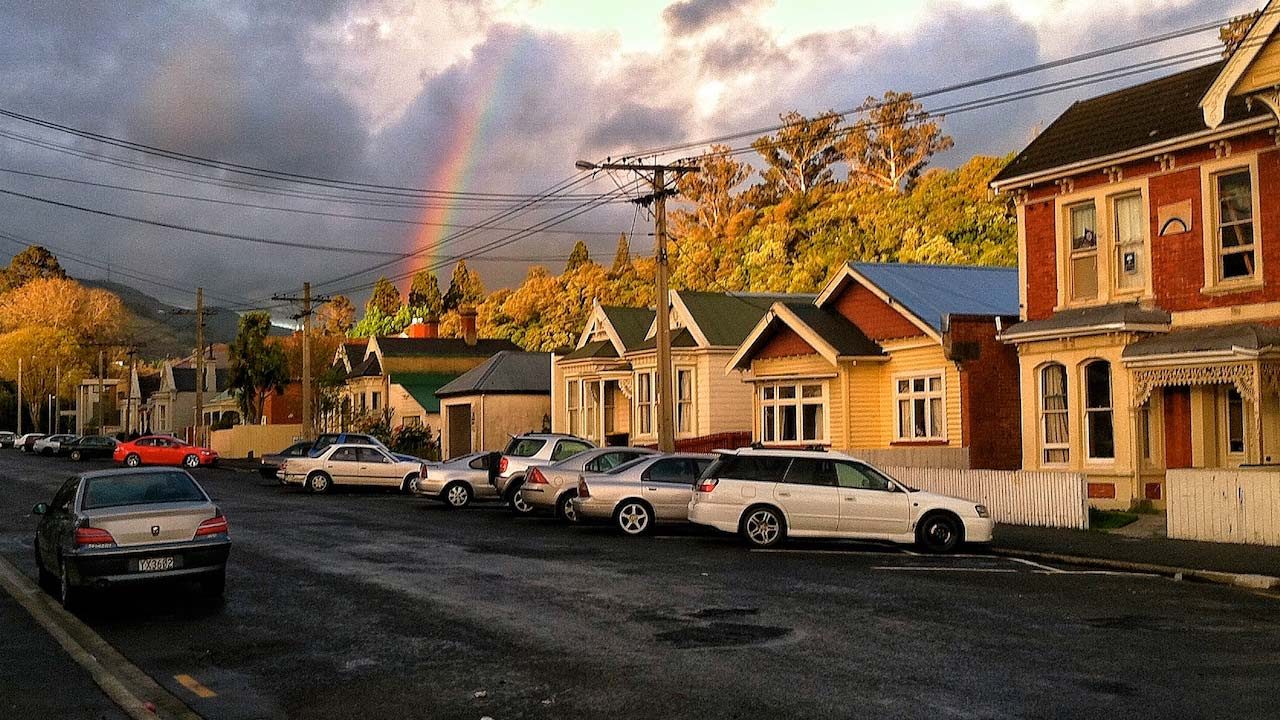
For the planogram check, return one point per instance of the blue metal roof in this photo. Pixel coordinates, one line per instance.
(932, 292)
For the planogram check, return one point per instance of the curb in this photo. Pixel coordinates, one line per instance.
(120, 680)
(1243, 580)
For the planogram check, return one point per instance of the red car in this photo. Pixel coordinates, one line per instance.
(163, 450)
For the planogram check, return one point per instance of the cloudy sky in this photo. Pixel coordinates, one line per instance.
(474, 96)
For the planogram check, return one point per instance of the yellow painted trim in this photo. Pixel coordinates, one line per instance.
(1103, 198)
(1209, 223)
(1224, 315)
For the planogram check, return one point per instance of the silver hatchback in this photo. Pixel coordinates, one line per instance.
(552, 487)
(457, 481)
(642, 493)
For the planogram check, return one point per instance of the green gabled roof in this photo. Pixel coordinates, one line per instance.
(422, 387)
(681, 339)
(631, 324)
(593, 349)
(728, 318)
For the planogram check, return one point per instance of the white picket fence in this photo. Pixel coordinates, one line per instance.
(1016, 497)
(1231, 506)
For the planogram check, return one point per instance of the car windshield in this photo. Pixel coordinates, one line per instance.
(524, 447)
(141, 489)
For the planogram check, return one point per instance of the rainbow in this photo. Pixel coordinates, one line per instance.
(455, 169)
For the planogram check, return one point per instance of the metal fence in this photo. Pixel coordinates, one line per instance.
(1015, 497)
(1231, 506)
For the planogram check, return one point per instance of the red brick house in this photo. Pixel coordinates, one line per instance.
(1149, 248)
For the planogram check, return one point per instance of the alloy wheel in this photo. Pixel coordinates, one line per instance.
(191, 461)
(568, 511)
(633, 518)
(763, 527)
(133, 461)
(458, 496)
(519, 503)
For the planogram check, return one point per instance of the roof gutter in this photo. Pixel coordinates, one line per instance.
(1055, 333)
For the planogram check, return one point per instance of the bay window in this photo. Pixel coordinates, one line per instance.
(791, 413)
(921, 413)
(1055, 440)
(1099, 427)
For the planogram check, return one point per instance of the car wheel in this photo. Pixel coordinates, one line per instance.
(763, 527)
(410, 485)
(939, 533)
(214, 585)
(75, 456)
(457, 495)
(634, 517)
(564, 506)
(319, 483)
(191, 461)
(132, 460)
(68, 594)
(518, 504)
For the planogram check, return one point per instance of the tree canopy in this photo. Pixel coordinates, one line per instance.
(33, 262)
(465, 287)
(256, 366)
(424, 295)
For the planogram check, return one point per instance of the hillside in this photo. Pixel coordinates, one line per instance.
(163, 333)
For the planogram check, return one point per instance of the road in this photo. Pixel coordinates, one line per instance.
(375, 605)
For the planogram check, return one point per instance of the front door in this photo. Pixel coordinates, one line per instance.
(869, 503)
(1177, 427)
(459, 430)
(376, 468)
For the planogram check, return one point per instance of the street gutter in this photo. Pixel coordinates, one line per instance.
(1242, 580)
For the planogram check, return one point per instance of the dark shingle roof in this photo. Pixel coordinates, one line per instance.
(728, 318)
(435, 347)
(1117, 315)
(368, 367)
(844, 336)
(508, 372)
(631, 324)
(148, 384)
(355, 351)
(1162, 109)
(1208, 339)
(682, 338)
(932, 292)
(184, 379)
(593, 349)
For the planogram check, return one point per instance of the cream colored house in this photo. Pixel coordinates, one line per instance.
(506, 395)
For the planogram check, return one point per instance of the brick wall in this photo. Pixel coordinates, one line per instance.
(990, 409)
(876, 318)
(1042, 266)
(285, 408)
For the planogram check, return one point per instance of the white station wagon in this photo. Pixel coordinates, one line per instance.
(768, 495)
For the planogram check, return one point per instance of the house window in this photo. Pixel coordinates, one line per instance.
(1129, 233)
(1055, 440)
(684, 401)
(411, 421)
(1144, 430)
(1233, 201)
(573, 391)
(1084, 251)
(376, 397)
(644, 402)
(920, 408)
(1235, 422)
(1097, 411)
(793, 413)
(590, 409)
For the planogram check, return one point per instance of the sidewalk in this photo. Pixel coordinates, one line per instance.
(1119, 547)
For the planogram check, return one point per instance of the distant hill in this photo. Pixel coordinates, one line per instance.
(163, 333)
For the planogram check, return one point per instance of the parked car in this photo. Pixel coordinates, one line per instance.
(7, 439)
(90, 446)
(51, 444)
(270, 466)
(350, 465)
(458, 481)
(552, 487)
(25, 442)
(524, 451)
(642, 493)
(121, 526)
(769, 495)
(324, 440)
(163, 450)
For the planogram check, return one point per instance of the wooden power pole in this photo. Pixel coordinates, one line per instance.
(657, 176)
(307, 300)
(199, 366)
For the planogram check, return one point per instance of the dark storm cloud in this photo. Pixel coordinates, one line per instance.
(690, 16)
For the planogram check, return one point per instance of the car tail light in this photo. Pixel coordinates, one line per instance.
(284, 466)
(213, 526)
(707, 484)
(502, 465)
(535, 477)
(584, 492)
(94, 538)
(422, 471)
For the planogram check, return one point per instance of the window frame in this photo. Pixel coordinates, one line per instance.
(684, 405)
(573, 405)
(646, 403)
(1209, 174)
(1043, 412)
(771, 434)
(1103, 197)
(1073, 254)
(1089, 410)
(1117, 249)
(1236, 456)
(927, 395)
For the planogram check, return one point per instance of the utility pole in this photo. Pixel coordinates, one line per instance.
(19, 397)
(199, 366)
(102, 372)
(308, 422)
(54, 404)
(658, 198)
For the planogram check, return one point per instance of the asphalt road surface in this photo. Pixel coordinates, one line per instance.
(371, 604)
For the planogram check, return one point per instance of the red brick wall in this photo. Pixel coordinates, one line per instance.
(1042, 265)
(990, 413)
(784, 343)
(876, 318)
(284, 409)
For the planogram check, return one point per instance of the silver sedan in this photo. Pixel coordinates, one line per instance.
(640, 494)
(552, 487)
(458, 481)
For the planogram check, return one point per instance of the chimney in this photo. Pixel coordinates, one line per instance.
(420, 328)
(431, 326)
(467, 314)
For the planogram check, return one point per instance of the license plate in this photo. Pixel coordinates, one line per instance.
(155, 564)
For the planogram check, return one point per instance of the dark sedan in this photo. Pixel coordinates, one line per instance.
(129, 525)
(88, 447)
(270, 466)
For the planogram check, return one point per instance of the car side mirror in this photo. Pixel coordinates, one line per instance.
(40, 509)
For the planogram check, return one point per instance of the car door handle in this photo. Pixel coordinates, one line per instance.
(653, 489)
(782, 494)
(850, 499)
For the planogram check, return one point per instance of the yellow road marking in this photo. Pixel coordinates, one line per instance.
(194, 686)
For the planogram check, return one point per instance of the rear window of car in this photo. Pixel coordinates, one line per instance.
(524, 447)
(763, 468)
(140, 489)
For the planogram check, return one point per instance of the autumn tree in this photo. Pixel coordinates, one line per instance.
(85, 314)
(52, 362)
(385, 297)
(621, 257)
(800, 155)
(893, 141)
(579, 256)
(1235, 31)
(464, 287)
(256, 366)
(33, 262)
(337, 316)
(424, 295)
